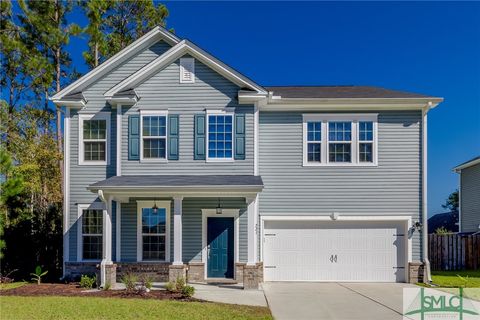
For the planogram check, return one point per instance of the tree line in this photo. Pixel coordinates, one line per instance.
(35, 63)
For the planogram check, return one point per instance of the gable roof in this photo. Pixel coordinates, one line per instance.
(339, 92)
(156, 34)
(467, 164)
(182, 48)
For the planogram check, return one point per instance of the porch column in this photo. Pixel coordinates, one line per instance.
(106, 264)
(252, 231)
(177, 230)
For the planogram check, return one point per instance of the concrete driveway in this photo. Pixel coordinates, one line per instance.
(341, 301)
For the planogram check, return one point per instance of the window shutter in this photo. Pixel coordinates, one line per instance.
(173, 136)
(134, 137)
(200, 138)
(239, 136)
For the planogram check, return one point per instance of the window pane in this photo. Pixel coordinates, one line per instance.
(339, 152)
(154, 126)
(153, 222)
(365, 131)
(220, 132)
(153, 247)
(314, 131)
(314, 153)
(94, 129)
(366, 152)
(154, 148)
(94, 151)
(92, 221)
(92, 247)
(340, 131)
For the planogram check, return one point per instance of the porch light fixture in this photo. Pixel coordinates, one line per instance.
(219, 208)
(155, 208)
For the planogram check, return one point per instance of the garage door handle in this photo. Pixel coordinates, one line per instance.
(270, 267)
(270, 234)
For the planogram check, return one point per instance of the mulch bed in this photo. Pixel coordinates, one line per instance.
(74, 290)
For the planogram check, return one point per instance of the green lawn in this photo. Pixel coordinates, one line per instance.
(13, 285)
(450, 278)
(51, 307)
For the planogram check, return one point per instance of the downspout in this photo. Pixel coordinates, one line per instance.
(103, 273)
(427, 273)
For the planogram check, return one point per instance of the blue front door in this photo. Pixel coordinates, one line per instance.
(220, 247)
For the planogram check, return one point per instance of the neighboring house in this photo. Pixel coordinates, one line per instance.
(178, 165)
(447, 220)
(469, 195)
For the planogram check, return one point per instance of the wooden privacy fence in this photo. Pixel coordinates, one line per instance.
(454, 252)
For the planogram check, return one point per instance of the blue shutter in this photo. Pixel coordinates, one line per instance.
(200, 137)
(240, 136)
(173, 133)
(134, 137)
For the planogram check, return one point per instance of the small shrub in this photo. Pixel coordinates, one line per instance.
(170, 287)
(37, 276)
(179, 284)
(129, 280)
(147, 281)
(107, 286)
(87, 282)
(188, 291)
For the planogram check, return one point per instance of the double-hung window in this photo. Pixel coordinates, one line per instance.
(339, 139)
(90, 231)
(94, 132)
(154, 136)
(153, 230)
(220, 137)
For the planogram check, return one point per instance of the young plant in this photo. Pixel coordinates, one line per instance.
(147, 281)
(107, 286)
(179, 284)
(188, 291)
(87, 282)
(37, 276)
(170, 286)
(129, 280)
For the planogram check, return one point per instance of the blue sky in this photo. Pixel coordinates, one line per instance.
(428, 47)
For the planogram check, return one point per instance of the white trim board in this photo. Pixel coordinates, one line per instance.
(66, 189)
(148, 204)
(226, 213)
(156, 34)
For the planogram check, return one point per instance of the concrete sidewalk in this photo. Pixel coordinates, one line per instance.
(233, 294)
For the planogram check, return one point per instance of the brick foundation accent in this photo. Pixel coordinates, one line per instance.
(196, 272)
(416, 272)
(252, 276)
(175, 272)
(74, 270)
(157, 271)
(239, 266)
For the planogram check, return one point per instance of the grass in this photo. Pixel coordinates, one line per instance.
(14, 307)
(12, 285)
(452, 279)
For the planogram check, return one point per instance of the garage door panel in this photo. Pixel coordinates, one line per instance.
(334, 251)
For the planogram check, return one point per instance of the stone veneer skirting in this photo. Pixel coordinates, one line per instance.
(416, 272)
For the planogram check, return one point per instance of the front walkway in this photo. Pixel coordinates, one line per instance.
(234, 294)
(342, 301)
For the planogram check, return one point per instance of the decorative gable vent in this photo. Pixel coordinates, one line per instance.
(187, 70)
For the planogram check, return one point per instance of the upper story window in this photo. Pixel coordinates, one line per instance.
(339, 139)
(154, 136)
(187, 70)
(94, 144)
(220, 137)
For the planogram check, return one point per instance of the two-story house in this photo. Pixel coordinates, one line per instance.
(178, 165)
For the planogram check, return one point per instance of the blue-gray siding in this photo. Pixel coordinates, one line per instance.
(470, 199)
(210, 91)
(393, 187)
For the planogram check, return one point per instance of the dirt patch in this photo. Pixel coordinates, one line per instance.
(74, 290)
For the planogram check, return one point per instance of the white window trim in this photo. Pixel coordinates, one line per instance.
(226, 113)
(147, 113)
(226, 213)
(148, 204)
(354, 119)
(94, 116)
(80, 208)
(182, 70)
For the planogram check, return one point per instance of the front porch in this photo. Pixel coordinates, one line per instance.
(203, 233)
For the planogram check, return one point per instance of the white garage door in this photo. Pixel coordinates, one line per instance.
(334, 251)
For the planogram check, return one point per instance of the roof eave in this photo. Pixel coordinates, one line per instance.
(468, 164)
